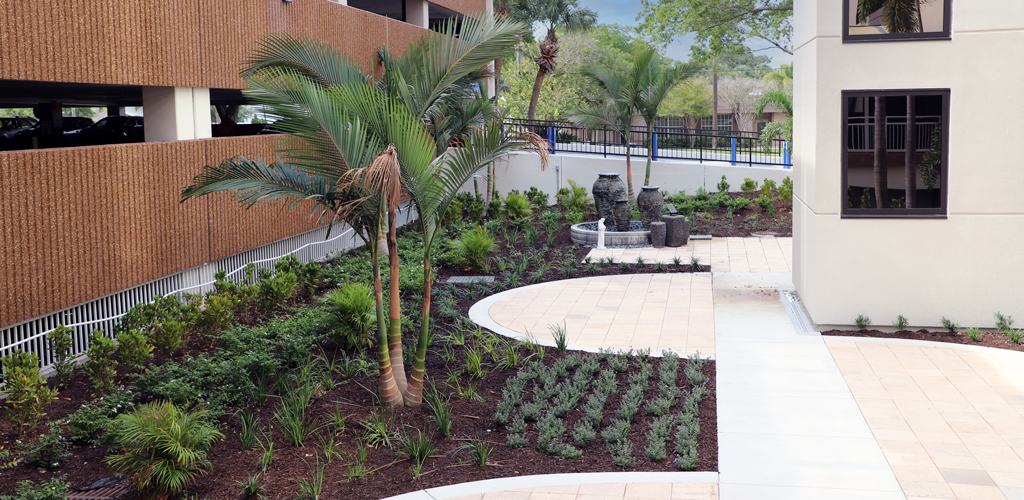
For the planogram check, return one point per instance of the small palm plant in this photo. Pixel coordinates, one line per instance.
(164, 448)
(783, 101)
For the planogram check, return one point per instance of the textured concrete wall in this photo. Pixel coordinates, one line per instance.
(81, 223)
(176, 43)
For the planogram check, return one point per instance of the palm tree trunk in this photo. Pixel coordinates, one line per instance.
(910, 148)
(414, 395)
(880, 167)
(536, 94)
(629, 168)
(650, 154)
(490, 189)
(394, 302)
(389, 392)
(497, 73)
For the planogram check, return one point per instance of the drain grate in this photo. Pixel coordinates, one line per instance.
(469, 279)
(104, 493)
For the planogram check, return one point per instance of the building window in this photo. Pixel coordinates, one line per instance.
(877, 161)
(724, 122)
(883, 20)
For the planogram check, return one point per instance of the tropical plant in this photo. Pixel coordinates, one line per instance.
(554, 15)
(355, 151)
(26, 390)
(782, 100)
(354, 315)
(134, 349)
(60, 343)
(163, 448)
(474, 247)
(101, 367)
(657, 79)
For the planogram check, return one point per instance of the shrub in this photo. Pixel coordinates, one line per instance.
(169, 336)
(26, 390)
(950, 325)
(786, 190)
(164, 448)
(55, 489)
(275, 290)
(737, 204)
(1004, 323)
(723, 185)
(764, 202)
(768, 187)
(900, 323)
(749, 185)
(538, 198)
(92, 421)
(60, 343)
(134, 349)
(474, 247)
(572, 198)
(101, 367)
(517, 206)
(974, 334)
(862, 322)
(220, 311)
(354, 315)
(49, 451)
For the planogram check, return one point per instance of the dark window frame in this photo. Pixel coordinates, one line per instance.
(945, 34)
(896, 213)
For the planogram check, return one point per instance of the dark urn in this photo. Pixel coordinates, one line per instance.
(622, 214)
(650, 203)
(607, 189)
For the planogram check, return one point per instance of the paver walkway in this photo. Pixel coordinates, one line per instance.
(738, 255)
(610, 491)
(949, 418)
(657, 311)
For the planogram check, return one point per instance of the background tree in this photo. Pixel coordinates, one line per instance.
(899, 16)
(719, 21)
(741, 94)
(553, 15)
(690, 100)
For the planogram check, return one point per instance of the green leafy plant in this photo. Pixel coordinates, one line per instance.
(572, 198)
(378, 428)
(169, 336)
(440, 410)
(558, 332)
(696, 265)
(163, 448)
(417, 448)
(250, 422)
(26, 390)
(1014, 335)
(1004, 323)
(313, 488)
(786, 190)
(354, 315)
(517, 206)
(92, 421)
(274, 289)
(723, 185)
(974, 334)
(749, 186)
(266, 456)
(768, 187)
(475, 246)
(574, 216)
(251, 487)
(292, 419)
(56, 488)
(134, 349)
(478, 449)
(900, 323)
(101, 367)
(862, 322)
(60, 343)
(49, 451)
(949, 325)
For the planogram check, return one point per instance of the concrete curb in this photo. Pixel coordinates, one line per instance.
(545, 480)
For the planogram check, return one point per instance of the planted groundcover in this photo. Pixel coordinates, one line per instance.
(272, 383)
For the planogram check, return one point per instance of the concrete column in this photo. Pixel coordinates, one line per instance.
(176, 113)
(417, 13)
(116, 111)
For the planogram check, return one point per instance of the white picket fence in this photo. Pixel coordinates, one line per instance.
(104, 313)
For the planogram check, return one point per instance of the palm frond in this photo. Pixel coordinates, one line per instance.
(314, 59)
(775, 98)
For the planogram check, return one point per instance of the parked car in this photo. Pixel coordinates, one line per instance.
(9, 127)
(110, 130)
(23, 138)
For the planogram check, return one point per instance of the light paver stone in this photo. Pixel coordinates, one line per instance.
(955, 410)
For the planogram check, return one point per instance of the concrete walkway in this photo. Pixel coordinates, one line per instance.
(737, 255)
(800, 416)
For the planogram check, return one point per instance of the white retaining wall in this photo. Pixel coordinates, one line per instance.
(522, 171)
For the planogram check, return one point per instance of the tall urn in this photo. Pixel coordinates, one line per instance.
(607, 189)
(650, 203)
(622, 214)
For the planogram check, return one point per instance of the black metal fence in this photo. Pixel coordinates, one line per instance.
(678, 143)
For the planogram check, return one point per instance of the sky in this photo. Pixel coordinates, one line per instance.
(624, 12)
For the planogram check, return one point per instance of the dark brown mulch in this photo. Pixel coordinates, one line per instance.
(990, 339)
(747, 220)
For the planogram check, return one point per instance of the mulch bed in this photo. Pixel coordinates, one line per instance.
(742, 224)
(990, 339)
(389, 476)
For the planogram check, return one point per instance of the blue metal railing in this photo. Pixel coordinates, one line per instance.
(678, 143)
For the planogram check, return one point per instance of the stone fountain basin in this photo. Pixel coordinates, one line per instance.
(582, 234)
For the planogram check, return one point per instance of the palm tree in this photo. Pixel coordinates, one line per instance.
(345, 134)
(617, 113)
(899, 16)
(554, 15)
(783, 101)
(657, 80)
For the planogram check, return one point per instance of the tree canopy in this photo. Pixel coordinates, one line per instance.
(724, 21)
